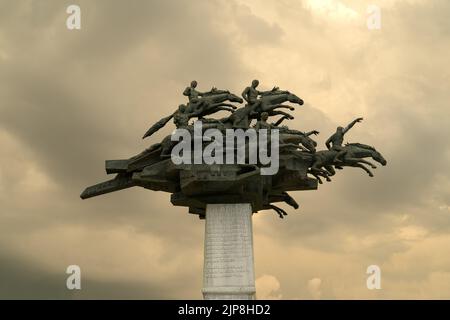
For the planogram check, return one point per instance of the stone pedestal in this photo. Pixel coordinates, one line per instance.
(228, 271)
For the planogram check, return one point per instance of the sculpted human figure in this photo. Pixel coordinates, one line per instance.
(289, 138)
(295, 137)
(181, 117)
(210, 102)
(323, 161)
(196, 184)
(268, 101)
(335, 141)
(191, 92)
(251, 94)
(263, 124)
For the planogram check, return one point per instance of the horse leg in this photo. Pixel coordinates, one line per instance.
(286, 107)
(228, 105)
(276, 113)
(316, 176)
(279, 106)
(278, 210)
(330, 169)
(290, 201)
(323, 174)
(359, 165)
(225, 109)
(219, 105)
(292, 145)
(365, 161)
(308, 145)
(316, 168)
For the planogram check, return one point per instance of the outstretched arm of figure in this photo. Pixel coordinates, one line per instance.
(186, 91)
(315, 132)
(351, 124)
(280, 121)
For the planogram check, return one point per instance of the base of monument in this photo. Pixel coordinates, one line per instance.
(229, 293)
(228, 271)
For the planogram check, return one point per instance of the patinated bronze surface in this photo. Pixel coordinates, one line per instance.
(301, 167)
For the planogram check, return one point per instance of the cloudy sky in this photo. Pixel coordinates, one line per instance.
(69, 99)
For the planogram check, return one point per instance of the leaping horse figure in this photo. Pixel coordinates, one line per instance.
(273, 100)
(210, 103)
(353, 158)
(278, 197)
(268, 102)
(298, 140)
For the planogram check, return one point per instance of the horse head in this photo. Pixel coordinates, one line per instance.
(309, 143)
(306, 141)
(234, 98)
(371, 151)
(276, 97)
(294, 99)
(378, 157)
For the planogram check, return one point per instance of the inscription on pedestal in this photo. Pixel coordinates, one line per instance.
(228, 266)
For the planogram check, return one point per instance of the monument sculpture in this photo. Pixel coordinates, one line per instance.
(227, 193)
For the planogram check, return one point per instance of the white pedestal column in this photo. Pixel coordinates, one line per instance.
(228, 271)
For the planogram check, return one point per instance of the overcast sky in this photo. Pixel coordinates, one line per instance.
(69, 99)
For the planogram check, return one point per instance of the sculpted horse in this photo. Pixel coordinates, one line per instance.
(268, 102)
(353, 158)
(297, 139)
(280, 197)
(272, 101)
(210, 103)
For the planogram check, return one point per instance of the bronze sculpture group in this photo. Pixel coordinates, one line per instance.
(301, 166)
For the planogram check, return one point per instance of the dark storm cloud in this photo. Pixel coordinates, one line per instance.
(407, 120)
(55, 112)
(71, 99)
(22, 280)
(59, 101)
